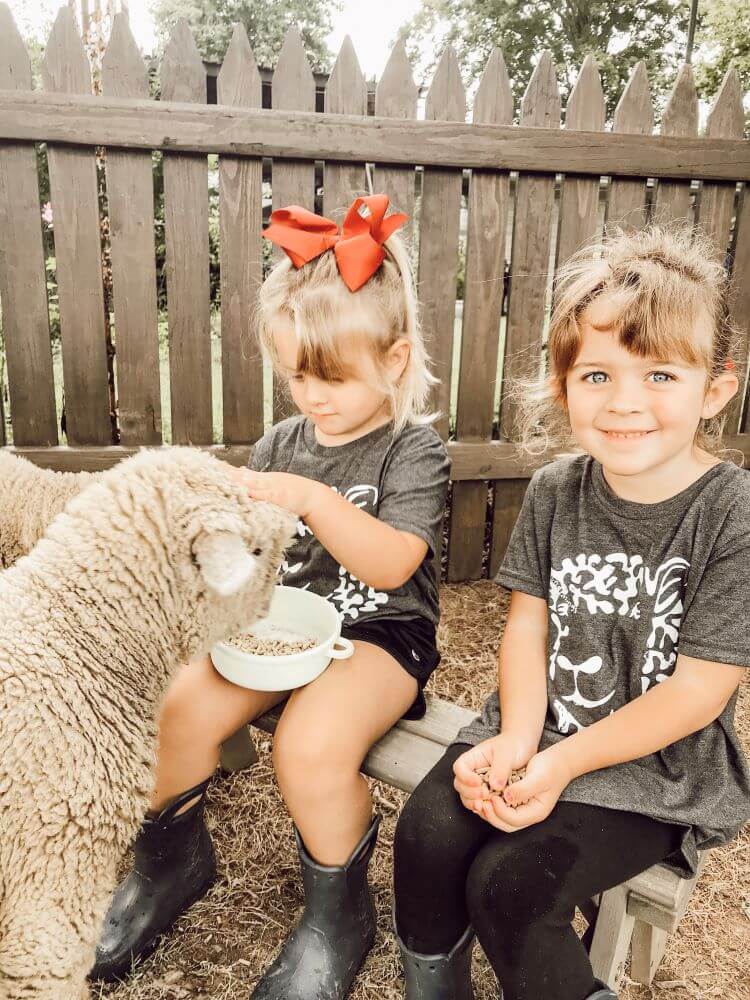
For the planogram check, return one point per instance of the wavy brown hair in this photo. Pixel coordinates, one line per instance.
(661, 282)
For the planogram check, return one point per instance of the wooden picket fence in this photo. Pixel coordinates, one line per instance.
(546, 180)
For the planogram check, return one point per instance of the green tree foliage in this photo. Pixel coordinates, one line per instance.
(617, 34)
(266, 23)
(724, 43)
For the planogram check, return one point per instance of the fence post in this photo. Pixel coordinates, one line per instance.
(634, 114)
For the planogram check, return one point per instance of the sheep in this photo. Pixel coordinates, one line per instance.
(149, 566)
(29, 499)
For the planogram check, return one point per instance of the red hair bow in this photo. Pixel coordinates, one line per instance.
(303, 236)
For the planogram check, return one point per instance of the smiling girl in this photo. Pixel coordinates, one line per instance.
(624, 647)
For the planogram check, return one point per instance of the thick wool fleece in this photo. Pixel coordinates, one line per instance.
(154, 562)
(30, 498)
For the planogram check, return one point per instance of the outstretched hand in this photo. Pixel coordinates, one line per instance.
(294, 493)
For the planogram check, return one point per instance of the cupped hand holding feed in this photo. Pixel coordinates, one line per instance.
(531, 799)
(486, 769)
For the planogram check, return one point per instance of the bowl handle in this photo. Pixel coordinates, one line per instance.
(343, 652)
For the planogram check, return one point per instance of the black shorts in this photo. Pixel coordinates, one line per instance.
(412, 643)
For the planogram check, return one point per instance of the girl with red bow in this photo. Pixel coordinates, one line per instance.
(367, 476)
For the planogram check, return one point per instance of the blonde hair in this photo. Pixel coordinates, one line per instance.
(327, 318)
(661, 282)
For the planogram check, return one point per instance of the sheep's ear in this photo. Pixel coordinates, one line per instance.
(224, 561)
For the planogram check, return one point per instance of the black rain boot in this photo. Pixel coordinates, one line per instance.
(174, 866)
(439, 977)
(322, 955)
(603, 992)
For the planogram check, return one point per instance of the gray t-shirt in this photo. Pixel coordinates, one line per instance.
(628, 584)
(401, 480)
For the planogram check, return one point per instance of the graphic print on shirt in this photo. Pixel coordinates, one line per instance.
(613, 584)
(351, 596)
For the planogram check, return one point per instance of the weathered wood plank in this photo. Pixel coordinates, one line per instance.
(535, 199)
(79, 120)
(130, 197)
(346, 94)
(23, 289)
(483, 297)
(739, 411)
(396, 97)
(509, 494)
(726, 120)
(240, 213)
(293, 180)
(634, 115)
(438, 238)
(183, 78)
(74, 198)
(611, 942)
(680, 118)
(487, 460)
(579, 198)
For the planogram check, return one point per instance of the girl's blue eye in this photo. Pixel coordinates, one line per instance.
(661, 378)
(593, 378)
(296, 378)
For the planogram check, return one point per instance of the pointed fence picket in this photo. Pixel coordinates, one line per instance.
(431, 156)
(23, 291)
(130, 198)
(75, 207)
(626, 206)
(240, 214)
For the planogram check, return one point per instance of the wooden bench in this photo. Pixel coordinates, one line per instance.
(641, 912)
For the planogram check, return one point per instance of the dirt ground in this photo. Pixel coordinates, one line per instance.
(219, 949)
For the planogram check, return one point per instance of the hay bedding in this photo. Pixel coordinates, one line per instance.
(220, 948)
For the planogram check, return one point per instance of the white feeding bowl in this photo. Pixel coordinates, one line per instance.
(294, 613)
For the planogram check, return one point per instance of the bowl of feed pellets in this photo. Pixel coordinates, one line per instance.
(290, 647)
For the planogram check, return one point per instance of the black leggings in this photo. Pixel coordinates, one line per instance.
(519, 890)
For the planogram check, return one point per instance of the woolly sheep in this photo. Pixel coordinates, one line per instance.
(152, 563)
(29, 499)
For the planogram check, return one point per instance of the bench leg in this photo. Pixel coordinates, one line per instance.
(649, 945)
(612, 935)
(238, 752)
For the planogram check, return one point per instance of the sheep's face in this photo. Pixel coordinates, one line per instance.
(235, 548)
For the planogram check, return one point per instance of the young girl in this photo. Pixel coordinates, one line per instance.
(368, 478)
(624, 646)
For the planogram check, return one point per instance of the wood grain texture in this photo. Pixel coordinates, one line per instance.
(680, 118)
(438, 238)
(293, 183)
(579, 197)
(483, 297)
(634, 115)
(79, 120)
(183, 78)
(75, 207)
(240, 214)
(396, 97)
(23, 289)
(346, 94)
(726, 120)
(739, 410)
(130, 198)
(535, 201)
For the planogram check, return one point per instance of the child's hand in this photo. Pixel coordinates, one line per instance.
(486, 768)
(295, 493)
(531, 799)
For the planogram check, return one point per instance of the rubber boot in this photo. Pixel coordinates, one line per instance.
(603, 992)
(174, 866)
(439, 977)
(322, 955)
